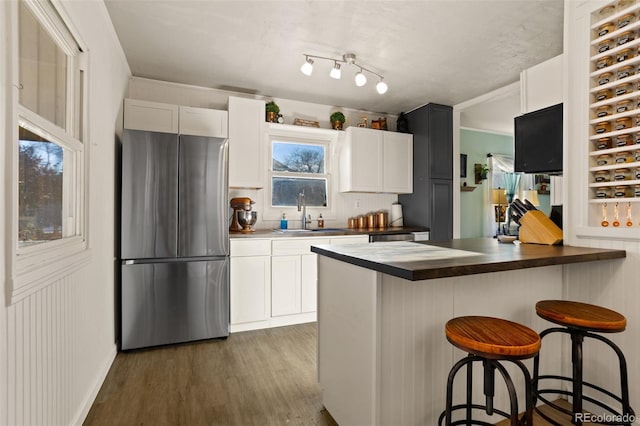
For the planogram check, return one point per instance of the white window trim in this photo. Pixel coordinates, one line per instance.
(32, 268)
(285, 133)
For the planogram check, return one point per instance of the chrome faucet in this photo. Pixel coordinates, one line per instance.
(302, 206)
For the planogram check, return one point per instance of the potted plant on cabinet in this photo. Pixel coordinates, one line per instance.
(272, 109)
(337, 120)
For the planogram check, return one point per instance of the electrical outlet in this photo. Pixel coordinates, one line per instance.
(357, 204)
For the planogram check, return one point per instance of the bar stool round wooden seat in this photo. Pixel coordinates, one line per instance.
(490, 341)
(581, 320)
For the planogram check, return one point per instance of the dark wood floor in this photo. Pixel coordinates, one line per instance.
(265, 377)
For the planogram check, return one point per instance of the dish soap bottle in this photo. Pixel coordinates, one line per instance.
(284, 222)
(320, 221)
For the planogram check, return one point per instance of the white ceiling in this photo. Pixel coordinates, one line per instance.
(443, 51)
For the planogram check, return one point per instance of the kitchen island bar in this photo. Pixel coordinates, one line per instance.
(383, 357)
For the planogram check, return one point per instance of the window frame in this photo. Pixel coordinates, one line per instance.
(300, 175)
(302, 135)
(33, 267)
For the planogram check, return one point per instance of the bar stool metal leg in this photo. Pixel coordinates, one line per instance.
(576, 360)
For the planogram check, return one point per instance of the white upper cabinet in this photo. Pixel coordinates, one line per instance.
(203, 122)
(246, 130)
(168, 118)
(150, 116)
(376, 161)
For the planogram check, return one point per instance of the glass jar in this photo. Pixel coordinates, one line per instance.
(637, 177)
(604, 110)
(637, 156)
(603, 143)
(622, 174)
(604, 62)
(625, 54)
(605, 78)
(625, 37)
(602, 176)
(603, 127)
(624, 140)
(605, 45)
(626, 71)
(604, 192)
(623, 123)
(626, 19)
(623, 106)
(623, 4)
(623, 191)
(637, 191)
(621, 89)
(606, 28)
(637, 122)
(606, 11)
(604, 160)
(603, 94)
(624, 157)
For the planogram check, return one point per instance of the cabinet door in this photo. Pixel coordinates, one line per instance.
(397, 163)
(203, 122)
(361, 168)
(309, 263)
(441, 210)
(150, 116)
(440, 141)
(250, 295)
(246, 121)
(285, 285)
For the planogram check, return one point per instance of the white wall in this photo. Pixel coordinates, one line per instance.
(56, 346)
(345, 204)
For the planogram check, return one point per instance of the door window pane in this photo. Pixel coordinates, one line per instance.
(40, 184)
(285, 191)
(43, 70)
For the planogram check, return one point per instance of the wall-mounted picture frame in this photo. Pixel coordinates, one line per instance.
(463, 165)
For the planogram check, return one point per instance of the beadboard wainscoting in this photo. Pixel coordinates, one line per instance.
(615, 285)
(51, 343)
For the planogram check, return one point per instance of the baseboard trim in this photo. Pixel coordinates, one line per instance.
(84, 408)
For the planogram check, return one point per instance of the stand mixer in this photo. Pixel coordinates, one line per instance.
(243, 217)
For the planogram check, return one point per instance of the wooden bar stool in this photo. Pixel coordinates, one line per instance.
(579, 321)
(490, 340)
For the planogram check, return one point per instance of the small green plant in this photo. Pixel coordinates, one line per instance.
(337, 116)
(272, 107)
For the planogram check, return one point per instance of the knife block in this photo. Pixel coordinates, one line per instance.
(537, 228)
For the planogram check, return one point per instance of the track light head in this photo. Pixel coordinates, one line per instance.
(307, 67)
(382, 87)
(361, 79)
(335, 72)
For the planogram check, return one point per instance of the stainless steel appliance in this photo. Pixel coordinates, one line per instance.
(175, 241)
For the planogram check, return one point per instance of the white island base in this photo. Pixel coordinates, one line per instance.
(383, 357)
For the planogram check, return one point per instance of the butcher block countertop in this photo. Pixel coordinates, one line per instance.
(428, 260)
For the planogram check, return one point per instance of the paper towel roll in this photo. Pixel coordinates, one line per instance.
(395, 216)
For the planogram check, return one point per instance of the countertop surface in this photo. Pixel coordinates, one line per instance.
(429, 259)
(323, 232)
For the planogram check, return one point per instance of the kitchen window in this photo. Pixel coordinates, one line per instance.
(299, 167)
(48, 157)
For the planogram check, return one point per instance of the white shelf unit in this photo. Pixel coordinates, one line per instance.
(633, 113)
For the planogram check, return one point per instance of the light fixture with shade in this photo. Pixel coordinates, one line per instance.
(347, 58)
(335, 71)
(307, 67)
(532, 196)
(499, 197)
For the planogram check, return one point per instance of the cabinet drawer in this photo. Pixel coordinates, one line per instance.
(250, 247)
(296, 245)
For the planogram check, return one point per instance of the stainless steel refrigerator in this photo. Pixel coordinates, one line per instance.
(174, 239)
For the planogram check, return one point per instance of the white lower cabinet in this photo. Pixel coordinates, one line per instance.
(275, 282)
(250, 287)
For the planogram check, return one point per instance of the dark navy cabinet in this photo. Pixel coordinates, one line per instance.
(431, 203)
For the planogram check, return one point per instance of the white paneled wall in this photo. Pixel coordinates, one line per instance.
(615, 285)
(57, 345)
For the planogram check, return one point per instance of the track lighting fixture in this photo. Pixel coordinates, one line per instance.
(336, 72)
